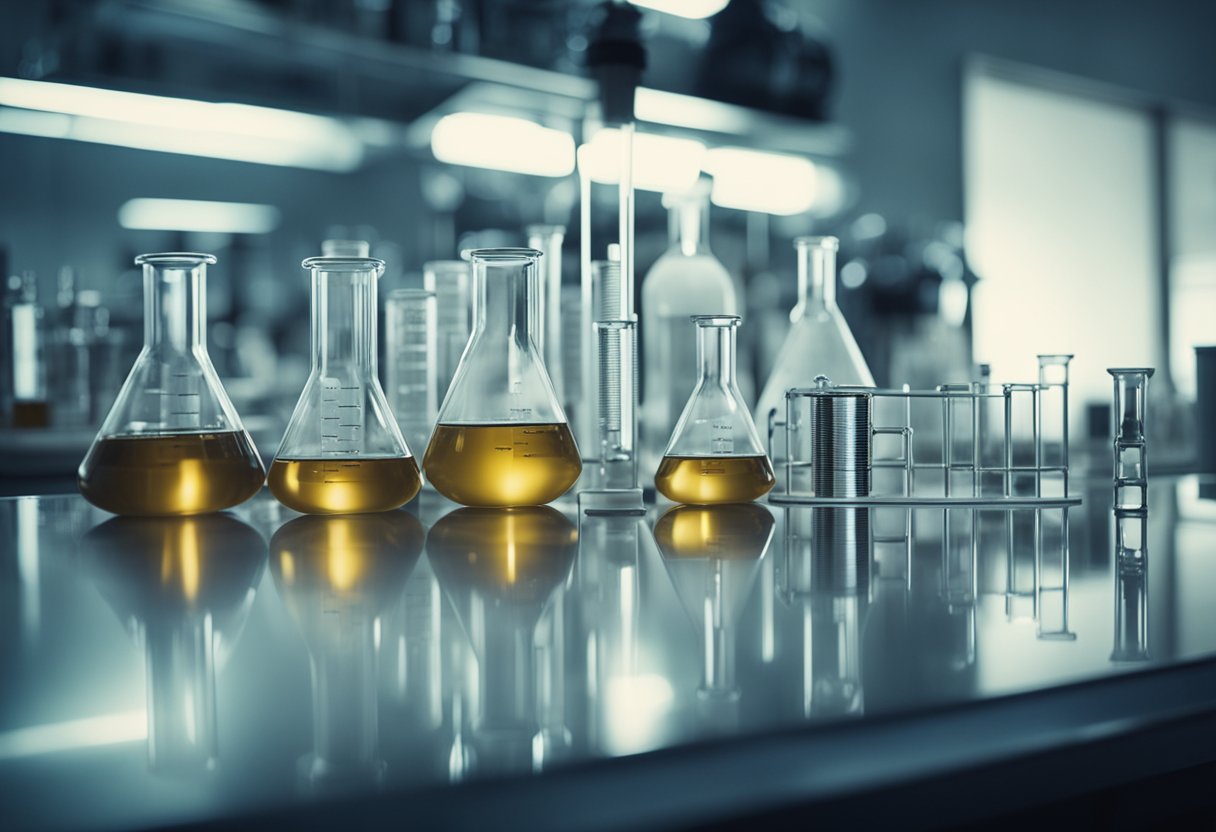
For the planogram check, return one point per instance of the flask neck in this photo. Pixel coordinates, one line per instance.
(175, 307)
(503, 304)
(816, 279)
(344, 320)
(716, 355)
(688, 227)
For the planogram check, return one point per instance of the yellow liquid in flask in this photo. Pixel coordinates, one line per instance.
(344, 485)
(178, 474)
(707, 480)
(502, 464)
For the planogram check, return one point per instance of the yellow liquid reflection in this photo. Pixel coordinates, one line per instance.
(520, 554)
(502, 464)
(730, 532)
(709, 480)
(344, 485)
(180, 474)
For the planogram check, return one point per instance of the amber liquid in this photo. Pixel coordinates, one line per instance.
(31, 415)
(728, 532)
(344, 485)
(708, 480)
(177, 474)
(502, 465)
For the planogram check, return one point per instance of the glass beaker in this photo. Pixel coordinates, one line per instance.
(449, 280)
(410, 369)
(172, 443)
(819, 341)
(502, 438)
(687, 280)
(343, 452)
(1131, 451)
(714, 455)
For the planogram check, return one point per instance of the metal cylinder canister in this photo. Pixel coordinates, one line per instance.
(841, 442)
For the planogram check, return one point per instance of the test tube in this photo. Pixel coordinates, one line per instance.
(617, 378)
(548, 240)
(1131, 463)
(602, 303)
(451, 282)
(1052, 436)
(411, 373)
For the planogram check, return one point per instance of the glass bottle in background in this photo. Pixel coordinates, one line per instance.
(27, 352)
(172, 443)
(68, 353)
(410, 369)
(452, 284)
(714, 455)
(502, 438)
(819, 342)
(687, 280)
(343, 452)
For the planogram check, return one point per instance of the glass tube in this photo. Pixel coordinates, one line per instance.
(411, 372)
(1053, 423)
(451, 282)
(1131, 463)
(617, 404)
(548, 300)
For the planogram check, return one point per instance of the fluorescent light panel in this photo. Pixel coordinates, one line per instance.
(198, 215)
(239, 132)
(770, 183)
(693, 9)
(660, 163)
(504, 143)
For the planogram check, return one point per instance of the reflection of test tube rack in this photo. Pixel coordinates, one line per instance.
(1131, 587)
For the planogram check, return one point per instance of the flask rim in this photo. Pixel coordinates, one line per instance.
(506, 255)
(343, 264)
(411, 294)
(175, 258)
(828, 242)
(716, 320)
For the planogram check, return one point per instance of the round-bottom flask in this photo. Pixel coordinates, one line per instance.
(501, 438)
(714, 455)
(172, 443)
(343, 452)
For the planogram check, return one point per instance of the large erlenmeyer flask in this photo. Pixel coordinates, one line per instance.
(819, 342)
(172, 443)
(343, 452)
(687, 280)
(501, 438)
(714, 455)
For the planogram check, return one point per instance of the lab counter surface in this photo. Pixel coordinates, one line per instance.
(447, 667)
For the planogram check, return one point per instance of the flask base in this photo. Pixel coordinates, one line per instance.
(344, 485)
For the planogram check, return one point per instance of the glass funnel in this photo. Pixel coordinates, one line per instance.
(343, 452)
(714, 455)
(687, 280)
(172, 443)
(819, 341)
(502, 438)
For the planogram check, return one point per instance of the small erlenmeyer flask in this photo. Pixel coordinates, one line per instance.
(819, 341)
(502, 438)
(343, 452)
(714, 455)
(172, 443)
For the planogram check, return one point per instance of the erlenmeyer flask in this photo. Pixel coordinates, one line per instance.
(714, 455)
(819, 341)
(343, 452)
(502, 438)
(172, 443)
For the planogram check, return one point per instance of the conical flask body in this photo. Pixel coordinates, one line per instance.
(343, 452)
(172, 443)
(715, 455)
(502, 438)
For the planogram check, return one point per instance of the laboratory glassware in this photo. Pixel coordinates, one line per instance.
(340, 577)
(1131, 457)
(27, 353)
(547, 239)
(172, 443)
(714, 455)
(686, 280)
(410, 371)
(1131, 587)
(346, 248)
(819, 341)
(182, 587)
(343, 452)
(501, 569)
(452, 284)
(501, 438)
(603, 303)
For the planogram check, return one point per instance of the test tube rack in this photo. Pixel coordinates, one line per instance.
(957, 445)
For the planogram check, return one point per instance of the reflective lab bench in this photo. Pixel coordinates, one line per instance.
(453, 667)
